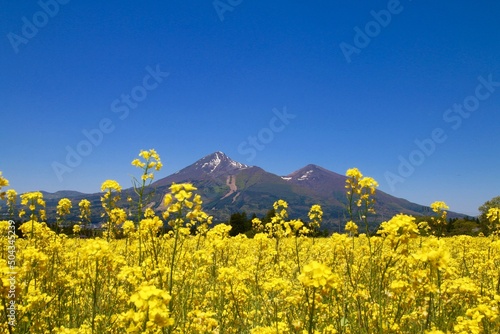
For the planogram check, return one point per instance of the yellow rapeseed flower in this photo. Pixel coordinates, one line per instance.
(128, 227)
(176, 187)
(138, 163)
(316, 216)
(351, 227)
(399, 229)
(368, 182)
(110, 185)
(11, 196)
(149, 213)
(183, 195)
(32, 198)
(354, 173)
(439, 206)
(117, 216)
(316, 274)
(3, 183)
(167, 199)
(64, 207)
(76, 229)
(493, 216)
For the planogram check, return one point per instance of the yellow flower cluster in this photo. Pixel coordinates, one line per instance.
(368, 183)
(360, 191)
(32, 201)
(399, 229)
(439, 206)
(201, 284)
(3, 183)
(351, 227)
(493, 216)
(110, 186)
(183, 208)
(354, 173)
(172, 274)
(151, 160)
(151, 310)
(318, 275)
(315, 216)
(84, 206)
(115, 216)
(281, 227)
(356, 182)
(64, 207)
(438, 222)
(11, 196)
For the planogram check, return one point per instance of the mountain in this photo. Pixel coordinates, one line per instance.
(227, 186)
(319, 182)
(331, 186)
(61, 194)
(210, 167)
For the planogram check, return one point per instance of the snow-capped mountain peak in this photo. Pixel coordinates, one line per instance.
(218, 161)
(214, 162)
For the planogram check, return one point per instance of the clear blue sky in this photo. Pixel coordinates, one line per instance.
(355, 84)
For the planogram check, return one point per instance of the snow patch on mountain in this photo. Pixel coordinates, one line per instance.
(238, 164)
(305, 176)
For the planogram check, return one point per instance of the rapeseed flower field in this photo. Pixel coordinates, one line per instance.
(197, 279)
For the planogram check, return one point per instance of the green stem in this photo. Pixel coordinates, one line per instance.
(94, 295)
(297, 253)
(311, 312)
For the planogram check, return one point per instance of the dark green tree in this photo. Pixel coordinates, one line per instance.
(239, 223)
(464, 226)
(483, 210)
(492, 203)
(269, 216)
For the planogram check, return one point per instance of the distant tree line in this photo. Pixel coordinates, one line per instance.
(241, 223)
(457, 226)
